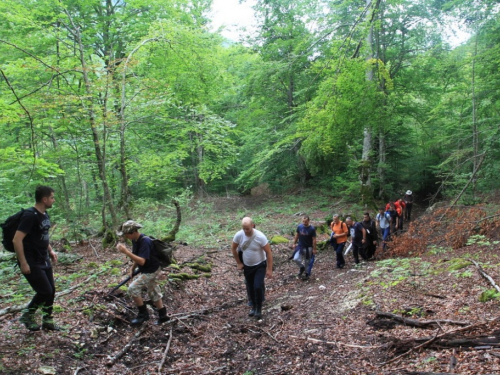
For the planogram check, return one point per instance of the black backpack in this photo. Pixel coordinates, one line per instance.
(9, 228)
(163, 252)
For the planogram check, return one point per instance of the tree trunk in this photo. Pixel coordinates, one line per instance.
(475, 133)
(365, 166)
(99, 152)
(381, 164)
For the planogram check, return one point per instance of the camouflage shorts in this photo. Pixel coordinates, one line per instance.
(146, 281)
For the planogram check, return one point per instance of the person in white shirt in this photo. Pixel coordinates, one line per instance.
(256, 262)
(383, 220)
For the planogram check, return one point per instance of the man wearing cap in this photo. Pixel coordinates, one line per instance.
(409, 203)
(143, 257)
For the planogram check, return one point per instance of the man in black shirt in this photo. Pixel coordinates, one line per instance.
(370, 245)
(358, 238)
(143, 256)
(31, 242)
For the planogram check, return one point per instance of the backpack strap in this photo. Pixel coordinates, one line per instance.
(250, 240)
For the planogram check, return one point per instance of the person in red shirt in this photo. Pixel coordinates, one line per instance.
(400, 208)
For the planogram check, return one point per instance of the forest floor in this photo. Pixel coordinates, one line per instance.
(341, 321)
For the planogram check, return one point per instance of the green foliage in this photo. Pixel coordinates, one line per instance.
(488, 295)
(479, 239)
(151, 104)
(434, 250)
(458, 264)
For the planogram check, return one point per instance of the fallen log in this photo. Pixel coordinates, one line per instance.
(440, 341)
(419, 323)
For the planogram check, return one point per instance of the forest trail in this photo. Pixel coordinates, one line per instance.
(327, 325)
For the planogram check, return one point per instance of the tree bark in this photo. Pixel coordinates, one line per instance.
(98, 149)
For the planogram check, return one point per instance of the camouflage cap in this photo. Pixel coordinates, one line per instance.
(128, 227)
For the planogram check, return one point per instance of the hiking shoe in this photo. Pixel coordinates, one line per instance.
(51, 326)
(306, 277)
(252, 312)
(142, 316)
(302, 269)
(29, 321)
(258, 312)
(162, 316)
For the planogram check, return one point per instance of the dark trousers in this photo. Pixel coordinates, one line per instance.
(254, 278)
(369, 249)
(408, 211)
(357, 250)
(240, 255)
(339, 251)
(41, 280)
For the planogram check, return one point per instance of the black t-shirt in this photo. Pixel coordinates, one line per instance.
(36, 242)
(144, 248)
(371, 230)
(356, 231)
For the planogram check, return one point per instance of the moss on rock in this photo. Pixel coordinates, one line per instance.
(278, 239)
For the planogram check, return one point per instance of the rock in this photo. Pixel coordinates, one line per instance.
(278, 239)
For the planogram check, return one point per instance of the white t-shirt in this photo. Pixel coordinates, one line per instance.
(253, 254)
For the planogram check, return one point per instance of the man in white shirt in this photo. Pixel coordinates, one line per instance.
(257, 262)
(383, 220)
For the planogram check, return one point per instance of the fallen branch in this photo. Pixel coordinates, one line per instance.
(69, 290)
(414, 348)
(117, 356)
(418, 323)
(78, 369)
(336, 343)
(457, 342)
(485, 275)
(166, 351)
(263, 330)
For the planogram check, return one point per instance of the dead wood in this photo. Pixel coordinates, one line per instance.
(78, 370)
(419, 323)
(317, 341)
(485, 275)
(117, 356)
(170, 237)
(166, 351)
(441, 340)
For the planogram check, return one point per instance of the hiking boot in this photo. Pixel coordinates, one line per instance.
(302, 269)
(28, 319)
(252, 312)
(142, 316)
(162, 315)
(258, 312)
(306, 277)
(49, 325)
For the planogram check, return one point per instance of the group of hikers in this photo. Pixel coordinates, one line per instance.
(252, 253)
(250, 248)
